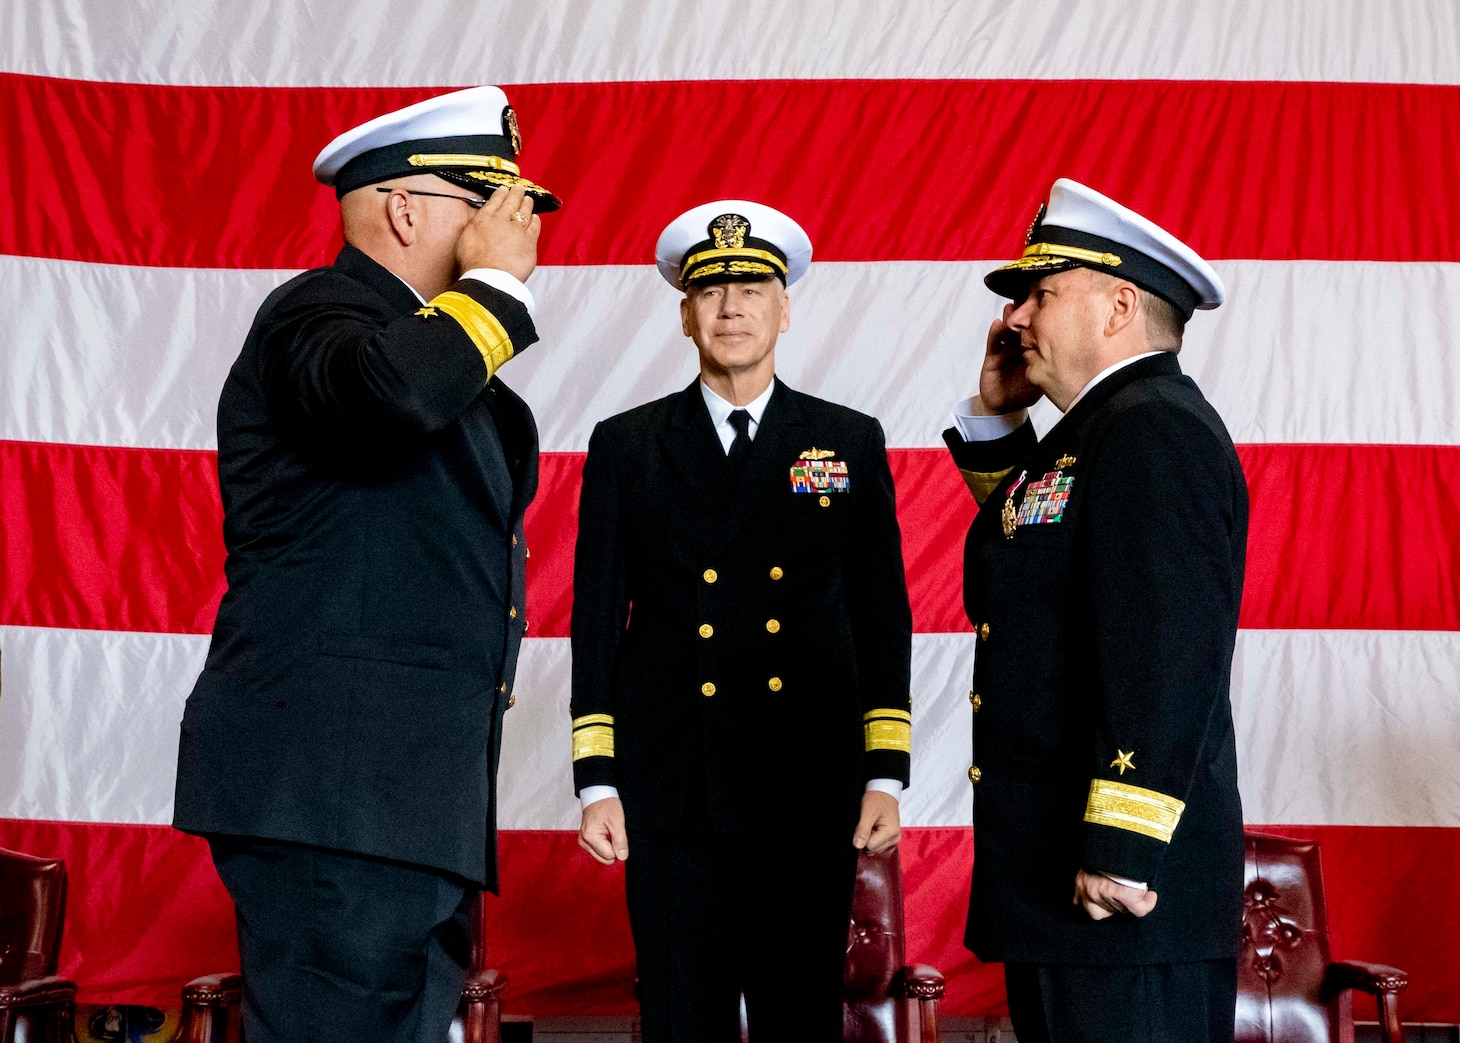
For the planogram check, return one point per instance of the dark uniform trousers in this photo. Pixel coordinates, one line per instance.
(1103, 576)
(340, 748)
(741, 649)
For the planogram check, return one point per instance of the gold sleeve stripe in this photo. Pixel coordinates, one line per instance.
(489, 336)
(983, 483)
(593, 718)
(897, 715)
(1142, 811)
(593, 740)
(888, 735)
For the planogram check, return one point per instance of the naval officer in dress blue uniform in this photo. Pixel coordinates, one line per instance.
(1103, 576)
(339, 750)
(741, 646)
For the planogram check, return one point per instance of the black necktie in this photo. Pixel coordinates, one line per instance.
(740, 447)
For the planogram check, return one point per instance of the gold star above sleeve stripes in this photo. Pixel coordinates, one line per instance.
(888, 730)
(593, 736)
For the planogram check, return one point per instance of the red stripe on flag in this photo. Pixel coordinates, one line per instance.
(874, 169)
(146, 913)
(1342, 537)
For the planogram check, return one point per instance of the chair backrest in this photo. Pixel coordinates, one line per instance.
(1284, 946)
(32, 911)
(875, 952)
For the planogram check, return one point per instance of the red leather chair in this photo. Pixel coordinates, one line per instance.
(32, 911)
(1287, 990)
(887, 1001)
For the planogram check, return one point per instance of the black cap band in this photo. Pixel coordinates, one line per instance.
(395, 160)
(753, 259)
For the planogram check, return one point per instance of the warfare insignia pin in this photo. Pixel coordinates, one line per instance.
(1010, 513)
(1065, 461)
(818, 454)
(729, 231)
(815, 473)
(509, 128)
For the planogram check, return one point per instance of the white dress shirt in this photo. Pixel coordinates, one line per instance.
(495, 278)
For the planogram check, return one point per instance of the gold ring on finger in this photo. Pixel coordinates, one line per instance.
(519, 217)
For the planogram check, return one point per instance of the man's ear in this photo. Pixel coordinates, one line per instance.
(401, 214)
(1125, 306)
(684, 307)
(785, 310)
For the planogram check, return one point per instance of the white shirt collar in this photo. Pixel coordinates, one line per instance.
(720, 411)
(1098, 377)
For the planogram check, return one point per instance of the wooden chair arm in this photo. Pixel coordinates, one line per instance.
(37, 992)
(1382, 982)
(213, 990)
(483, 986)
(921, 982)
(1373, 978)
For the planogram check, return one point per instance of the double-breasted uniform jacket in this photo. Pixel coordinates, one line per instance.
(374, 478)
(1103, 576)
(742, 646)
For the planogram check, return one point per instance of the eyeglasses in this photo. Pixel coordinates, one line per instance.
(471, 201)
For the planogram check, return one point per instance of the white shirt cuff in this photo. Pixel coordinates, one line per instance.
(593, 794)
(1139, 885)
(506, 282)
(889, 786)
(976, 428)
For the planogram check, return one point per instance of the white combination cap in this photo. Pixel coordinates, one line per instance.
(1080, 228)
(730, 240)
(469, 137)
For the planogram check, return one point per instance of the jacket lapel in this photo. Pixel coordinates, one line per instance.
(772, 452)
(361, 267)
(692, 447)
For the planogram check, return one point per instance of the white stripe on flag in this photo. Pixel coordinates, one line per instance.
(1301, 353)
(1334, 728)
(407, 43)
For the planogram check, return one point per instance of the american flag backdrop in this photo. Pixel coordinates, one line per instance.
(155, 164)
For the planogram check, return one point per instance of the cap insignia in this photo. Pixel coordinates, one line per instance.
(818, 454)
(729, 231)
(509, 128)
(1034, 225)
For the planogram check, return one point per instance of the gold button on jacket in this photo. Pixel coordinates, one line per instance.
(773, 625)
(775, 684)
(706, 630)
(711, 575)
(974, 774)
(777, 572)
(708, 688)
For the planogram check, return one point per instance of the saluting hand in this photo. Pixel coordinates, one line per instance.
(880, 824)
(1103, 897)
(602, 831)
(1003, 382)
(503, 235)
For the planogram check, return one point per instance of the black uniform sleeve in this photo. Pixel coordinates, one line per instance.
(327, 361)
(881, 618)
(1164, 589)
(600, 613)
(985, 464)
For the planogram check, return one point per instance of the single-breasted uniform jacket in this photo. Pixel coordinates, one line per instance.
(1103, 576)
(739, 646)
(374, 478)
